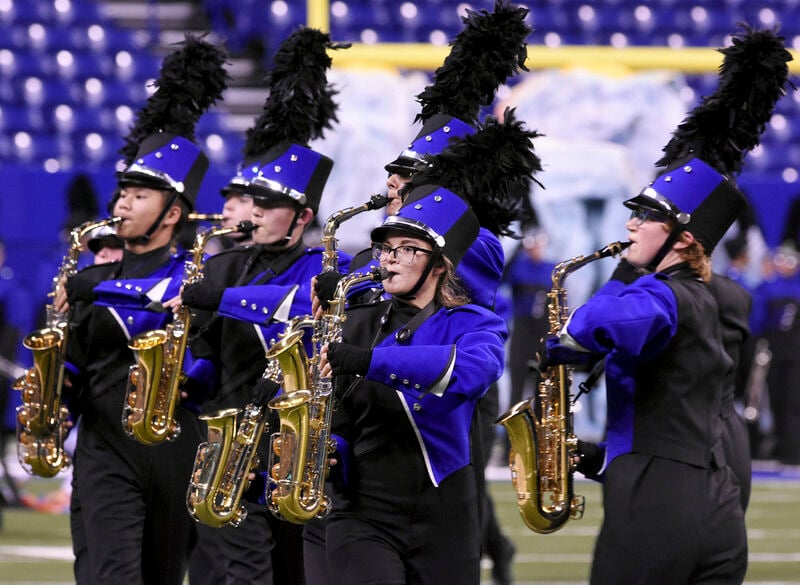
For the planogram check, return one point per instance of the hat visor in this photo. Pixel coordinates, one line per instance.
(643, 201)
(380, 233)
(143, 180)
(402, 166)
(270, 199)
(233, 189)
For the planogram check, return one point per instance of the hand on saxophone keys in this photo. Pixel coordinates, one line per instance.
(325, 369)
(175, 303)
(60, 299)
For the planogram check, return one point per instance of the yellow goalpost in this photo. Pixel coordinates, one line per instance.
(425, 56)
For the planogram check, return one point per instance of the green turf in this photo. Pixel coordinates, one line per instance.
(563, 557)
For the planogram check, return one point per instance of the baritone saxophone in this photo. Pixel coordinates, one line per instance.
(154, 381)
(543, 443)
(42, 417)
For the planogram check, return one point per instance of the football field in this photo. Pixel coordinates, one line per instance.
(35, 546)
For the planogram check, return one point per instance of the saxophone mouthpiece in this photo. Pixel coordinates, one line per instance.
(613, 249)
(379, 273)
(245, 227)
(377, 201)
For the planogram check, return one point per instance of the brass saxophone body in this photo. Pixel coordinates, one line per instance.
(541, 435)
(42, 417)
(301, 448)
(225, 460)
(154, 381)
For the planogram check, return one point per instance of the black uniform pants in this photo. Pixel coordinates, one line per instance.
(669, 523)
(130, 521)
(435, 543)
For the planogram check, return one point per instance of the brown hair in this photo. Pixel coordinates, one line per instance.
(695, 256)
(450, 290)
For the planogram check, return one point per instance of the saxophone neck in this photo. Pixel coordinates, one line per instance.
(330, 255)
(567, 267)
(202, 239)
(376, 274)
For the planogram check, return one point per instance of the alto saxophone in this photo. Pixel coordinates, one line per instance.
(543, 445)
(229, 455)
(300, 449)
(42, 418)
(154, 381)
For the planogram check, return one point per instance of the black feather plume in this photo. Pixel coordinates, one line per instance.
(491, 169)
(729, 123)
(490, 48)
(300, 104)
(191, 80)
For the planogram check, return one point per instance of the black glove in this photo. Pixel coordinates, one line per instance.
(202, 295)
(79, 289)
(325, 287)
(625, 272)
(346, 358)
(591, 457)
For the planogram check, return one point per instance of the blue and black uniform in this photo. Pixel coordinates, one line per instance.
(129, 500)
(263, 289)
(408, 500)
(665, 464)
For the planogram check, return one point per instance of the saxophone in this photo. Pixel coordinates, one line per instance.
(154, 381)
(225, 460)
(300, 449)
(42, 418)
(543, 444)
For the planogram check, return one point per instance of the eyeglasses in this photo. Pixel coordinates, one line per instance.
(642, 214)
(403, 254)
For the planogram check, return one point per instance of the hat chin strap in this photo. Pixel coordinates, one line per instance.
(672, 237)
(145, 238)
(411, 294)
(284, 241)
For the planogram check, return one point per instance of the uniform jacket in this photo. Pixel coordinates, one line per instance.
(665, 364)
(436, 378)
(122, 308)
(261, 295)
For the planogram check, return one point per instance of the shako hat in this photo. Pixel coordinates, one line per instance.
(480, 180)
(697, 189)
(278, 163)
(490, 48)
(160, 151)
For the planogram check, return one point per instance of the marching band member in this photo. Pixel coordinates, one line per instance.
(672, 508)
(251, 292)
(408, 375)
(406, 393)
(128, 512)
(491, 48)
